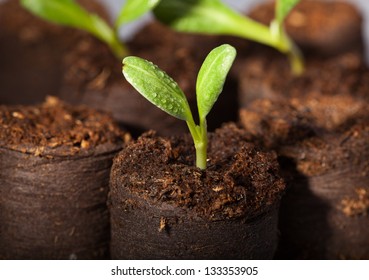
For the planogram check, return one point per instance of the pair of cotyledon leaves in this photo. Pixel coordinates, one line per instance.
(161, 90)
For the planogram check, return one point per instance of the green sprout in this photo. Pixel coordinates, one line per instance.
(214, 17)
(161, 90)
(70, 13)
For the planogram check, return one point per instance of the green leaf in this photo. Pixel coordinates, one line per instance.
(210, 17)
(134, 9)
(156, 86)
(283, 8)
(211, 77)
(69, 13)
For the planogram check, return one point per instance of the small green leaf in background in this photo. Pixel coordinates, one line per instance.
(205, 16)
(64, 12)
(210, 17)
(70, 13)
(211, 77)
(283, 8)
(156, 86)
(133, 9)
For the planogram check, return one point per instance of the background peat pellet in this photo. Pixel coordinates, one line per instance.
(163, 207)
(323, 150)
(55, 162)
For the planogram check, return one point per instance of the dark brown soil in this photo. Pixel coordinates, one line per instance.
(324, 28)
(226, 211)
(55, 162)
(322, 146)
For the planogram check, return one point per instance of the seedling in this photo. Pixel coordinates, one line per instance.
(161, 90)
(70, 13)
(214, 17)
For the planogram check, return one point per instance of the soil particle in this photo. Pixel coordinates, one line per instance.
(358, 205)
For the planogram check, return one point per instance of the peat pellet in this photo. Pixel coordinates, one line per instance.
(163, 207)
(55, 161)
(323, 151)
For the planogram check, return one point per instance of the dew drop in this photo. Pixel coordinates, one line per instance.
(173, 85)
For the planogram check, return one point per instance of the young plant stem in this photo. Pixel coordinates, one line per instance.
(119, 49)
(106, 34)
(296, 59)
(285, 45)
(262, 34)
(199, 135)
